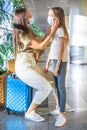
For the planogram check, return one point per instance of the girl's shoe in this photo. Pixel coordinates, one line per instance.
(61, 121)
(55, 112)
(68, 108)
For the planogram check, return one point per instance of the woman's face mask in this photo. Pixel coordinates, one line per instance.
(31, 20)
(50, 20)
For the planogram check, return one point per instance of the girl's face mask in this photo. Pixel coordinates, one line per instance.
(31, 20)
(50, 20)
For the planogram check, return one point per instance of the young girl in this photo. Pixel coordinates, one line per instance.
(58, 55)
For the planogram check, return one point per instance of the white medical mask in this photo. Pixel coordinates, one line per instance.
(50, 20)
(31, 20)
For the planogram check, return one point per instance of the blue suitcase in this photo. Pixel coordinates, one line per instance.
(18, 94)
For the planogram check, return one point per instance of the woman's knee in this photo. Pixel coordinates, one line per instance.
(49, 88)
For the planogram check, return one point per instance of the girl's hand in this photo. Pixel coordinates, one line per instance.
(47, 66)
(45, 70)
(56, 72)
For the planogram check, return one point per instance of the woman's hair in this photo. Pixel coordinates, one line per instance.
(20, 26)
(59, 12)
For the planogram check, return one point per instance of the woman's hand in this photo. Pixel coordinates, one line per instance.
(38, 39)
(54, 28)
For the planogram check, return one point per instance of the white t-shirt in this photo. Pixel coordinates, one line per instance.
(54, 49)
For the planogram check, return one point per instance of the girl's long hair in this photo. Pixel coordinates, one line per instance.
(20, 26)
(59, 12)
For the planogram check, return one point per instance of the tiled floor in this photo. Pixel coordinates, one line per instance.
(76, 86)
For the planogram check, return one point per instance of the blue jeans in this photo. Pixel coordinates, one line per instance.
(60, 83)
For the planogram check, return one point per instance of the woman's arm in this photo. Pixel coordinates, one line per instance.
(36, 45)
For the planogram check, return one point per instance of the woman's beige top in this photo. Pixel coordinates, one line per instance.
(25, 56)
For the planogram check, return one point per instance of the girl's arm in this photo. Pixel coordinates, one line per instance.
(61, 50)
(48, 62)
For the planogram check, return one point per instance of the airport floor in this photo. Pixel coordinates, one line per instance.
(76, 87)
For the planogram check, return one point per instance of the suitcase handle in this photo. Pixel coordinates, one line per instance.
(13, 75)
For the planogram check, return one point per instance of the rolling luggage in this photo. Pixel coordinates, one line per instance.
(18, 94)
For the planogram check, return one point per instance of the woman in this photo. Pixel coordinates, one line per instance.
(59, 55)
(25, 65)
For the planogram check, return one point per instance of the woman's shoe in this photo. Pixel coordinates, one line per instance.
(34, 117)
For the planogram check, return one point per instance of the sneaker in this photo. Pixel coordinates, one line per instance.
(34, 117)
(68, 108)
(55, 112)
(61, 121)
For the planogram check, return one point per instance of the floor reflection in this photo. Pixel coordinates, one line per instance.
(76, 86)
(77, 82)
